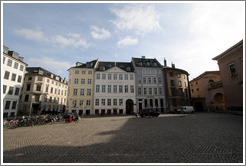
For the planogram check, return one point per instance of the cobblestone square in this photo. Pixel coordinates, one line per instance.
(170, 138)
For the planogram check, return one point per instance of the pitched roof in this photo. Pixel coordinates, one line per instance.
(206, 73)
(171, 68)
(228, 50)
(126, 66)
(144, 62)
(90, 64)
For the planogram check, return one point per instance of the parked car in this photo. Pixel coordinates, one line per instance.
(149, 112)
(185, 109)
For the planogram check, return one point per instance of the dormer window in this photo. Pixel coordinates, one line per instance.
(128, 69)
(155, 64)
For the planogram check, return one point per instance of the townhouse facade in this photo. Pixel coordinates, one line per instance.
(149, 83)
(14, 70)
(207, 92)
(81, 88)
(114, 88)
(231, 69)
(177, 87)
(43, 93)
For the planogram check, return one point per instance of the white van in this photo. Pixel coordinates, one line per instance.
(185, 109)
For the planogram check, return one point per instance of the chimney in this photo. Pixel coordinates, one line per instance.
(143, 57)
(165, 62)
(173, 65)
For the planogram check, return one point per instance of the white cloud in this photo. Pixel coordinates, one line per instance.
(71, 40)
(50, 64)
(142, 18)
(128, 40)
(98, 33)
(211, 29)
(31, 34)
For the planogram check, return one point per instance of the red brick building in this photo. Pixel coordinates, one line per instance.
(231, 70)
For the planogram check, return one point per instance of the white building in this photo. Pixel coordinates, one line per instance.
(114, 88)
(13, 75)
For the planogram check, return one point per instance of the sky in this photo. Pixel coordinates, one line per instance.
(57, 35)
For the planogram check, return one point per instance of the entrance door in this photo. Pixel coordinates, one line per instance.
(129, 106)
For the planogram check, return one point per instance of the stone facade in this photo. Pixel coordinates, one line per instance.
(150, 88)
(43, 92)
(231, 69)
(13, 75)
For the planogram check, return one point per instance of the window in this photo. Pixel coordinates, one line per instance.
(97, 102)
(38, 88)
(145, 91)
(154, 80)
(19, 79)
(51, 90)
(48, 80)
(89, 81)
(171, 74)
(109, 88)
(180, 83)
(6, 75)
(131, 76)
(232, 70)
(139, 91)
(55, 90)
(40, 78)
(81, 103)
(88, 92)
(181, 92)
(115, 102)
(172, 83)
(115, 76)
(150, 91)
(120, 88)
(76, 81)
(7, 105)
(144, 80)
(197, 89)
(156, 102)
(76, 71)
(52, 82)
(159, 80)
(74, 103)
(17, 91)
(83, 72)
(26, 97)
(16, 65)
(82, 81)
(3, 59)
(120, 77)
(88, 102)
(75, 91)
(155, 91)
(103, 88)
(160, 91)
(109, 102)
(103, 102)
(115, 88)
(11, 90)
(21, 67)
(29, 78)
(50, 99)
(28, 87)
(126, 76)
(149, 80)
(184, 76)
(58, 91)
(109, 76)
(103, 76)
(47, 88)
(178, 75)
(173, 91)
(4, 89)
(97, 88)
(140, 81)
(98, 76)
(13, 77)
(90, 72)
(37, 98)
(132, 88)
(9, 62)
(192, 90)
(120, 102)
(126, 88)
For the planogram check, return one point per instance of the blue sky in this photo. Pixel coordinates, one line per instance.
(57, 35)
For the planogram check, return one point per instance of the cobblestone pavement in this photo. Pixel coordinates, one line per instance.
(189, 138)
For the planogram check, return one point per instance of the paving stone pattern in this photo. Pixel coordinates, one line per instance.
(193, 138)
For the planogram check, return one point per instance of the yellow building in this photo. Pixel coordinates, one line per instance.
(81, 87)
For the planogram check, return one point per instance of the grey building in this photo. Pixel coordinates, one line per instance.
(150, 84)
